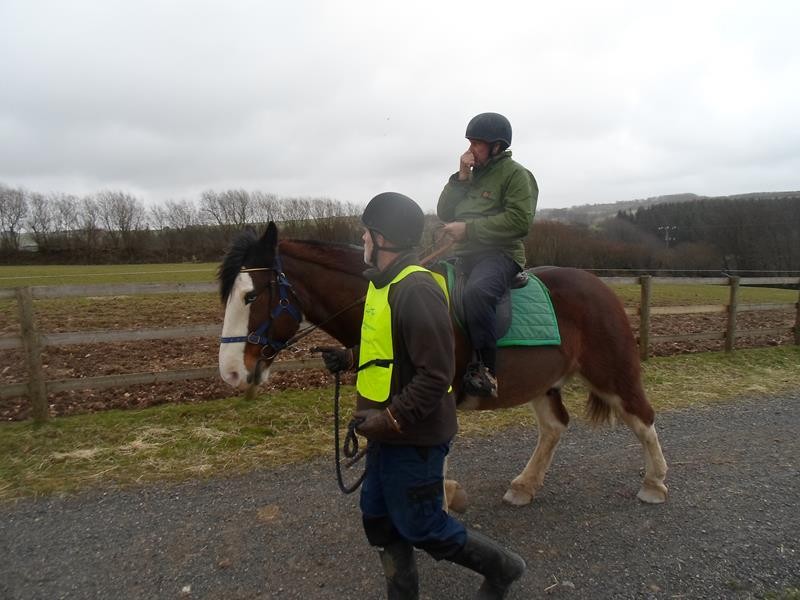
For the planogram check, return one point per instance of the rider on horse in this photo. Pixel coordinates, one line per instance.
(488, 208)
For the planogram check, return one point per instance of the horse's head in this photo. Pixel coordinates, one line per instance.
(261, 311)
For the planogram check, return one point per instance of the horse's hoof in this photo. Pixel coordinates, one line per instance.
(456, 496)
(652, 494)
(516, 497)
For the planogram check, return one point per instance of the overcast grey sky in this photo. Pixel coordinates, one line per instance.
(609, 101)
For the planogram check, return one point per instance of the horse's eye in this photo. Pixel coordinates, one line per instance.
(250, 297)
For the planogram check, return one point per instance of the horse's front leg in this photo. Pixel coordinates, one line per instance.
(552, 419)
(455, 497)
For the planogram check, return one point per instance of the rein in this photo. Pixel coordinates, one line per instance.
(311, 328)
(350, 448)
(428, 260)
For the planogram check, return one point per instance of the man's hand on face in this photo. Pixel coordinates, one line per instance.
(465, 166)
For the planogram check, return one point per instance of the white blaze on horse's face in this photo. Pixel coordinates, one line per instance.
(237, 317)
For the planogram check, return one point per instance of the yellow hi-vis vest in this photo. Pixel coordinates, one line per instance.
(376, 351)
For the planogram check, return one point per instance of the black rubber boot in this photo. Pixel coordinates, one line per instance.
(400, 568)
(499, 566)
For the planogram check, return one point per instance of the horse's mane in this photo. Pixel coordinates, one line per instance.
(246, 249)
(346, 258)
(242, 250)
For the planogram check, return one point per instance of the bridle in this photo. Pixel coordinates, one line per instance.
(261, 335)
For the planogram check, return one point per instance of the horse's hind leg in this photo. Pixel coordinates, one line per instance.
(653, 489)
(637, 414)
(552, 419)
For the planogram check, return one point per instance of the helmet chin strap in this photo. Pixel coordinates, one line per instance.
(373, 259)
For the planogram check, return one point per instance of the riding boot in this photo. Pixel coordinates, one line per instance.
(480, 381)
(400, 569)
(499, 566)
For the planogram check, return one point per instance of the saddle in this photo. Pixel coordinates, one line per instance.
(525, 315)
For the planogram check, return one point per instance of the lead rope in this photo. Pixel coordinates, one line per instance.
(350, 448)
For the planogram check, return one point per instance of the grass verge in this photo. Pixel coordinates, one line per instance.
(179, 442)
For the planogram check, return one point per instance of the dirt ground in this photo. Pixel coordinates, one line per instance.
(89, 360)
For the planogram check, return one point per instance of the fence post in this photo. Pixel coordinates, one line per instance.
(37, 390)
(646, 282)
(733, 306)
(797, 318)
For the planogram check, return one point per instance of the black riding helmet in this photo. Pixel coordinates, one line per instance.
(489, 127)
(396, 217)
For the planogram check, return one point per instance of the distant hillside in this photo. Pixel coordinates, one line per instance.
(589, 214)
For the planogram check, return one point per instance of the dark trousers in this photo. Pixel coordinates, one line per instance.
(489, 276)
(402, 497)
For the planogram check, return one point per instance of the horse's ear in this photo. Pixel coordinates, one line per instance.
(270, 237)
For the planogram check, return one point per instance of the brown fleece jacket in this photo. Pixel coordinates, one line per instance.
(422, 336)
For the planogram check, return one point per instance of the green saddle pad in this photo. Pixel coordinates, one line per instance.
(533, 320)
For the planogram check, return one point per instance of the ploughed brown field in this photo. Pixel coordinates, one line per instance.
(74, 361)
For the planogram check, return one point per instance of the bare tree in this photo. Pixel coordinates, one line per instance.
(174, 214)
(294, 210)
(266, 206)
(182, 214)
(229, 209)
(89, 226)
(159, 216)
(13, 207)
(39, 221)
(122, 215)
(64, 210)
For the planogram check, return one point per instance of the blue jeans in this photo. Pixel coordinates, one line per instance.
(402, 497)
(489, 276)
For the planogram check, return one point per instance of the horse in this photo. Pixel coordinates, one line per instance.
(268, 286)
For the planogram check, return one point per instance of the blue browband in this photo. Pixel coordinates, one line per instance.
(261, 335)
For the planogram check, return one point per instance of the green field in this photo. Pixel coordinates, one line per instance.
(21, 276)
(687, 294)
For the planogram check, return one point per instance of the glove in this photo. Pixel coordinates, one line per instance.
(374, 422)
(336, 359)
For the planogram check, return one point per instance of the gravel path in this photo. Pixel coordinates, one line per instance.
(731, 528)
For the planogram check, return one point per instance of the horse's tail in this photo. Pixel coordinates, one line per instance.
(598, 411)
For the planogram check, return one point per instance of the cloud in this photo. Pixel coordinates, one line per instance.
(608, 101)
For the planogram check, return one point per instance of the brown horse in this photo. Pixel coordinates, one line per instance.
(266, 286)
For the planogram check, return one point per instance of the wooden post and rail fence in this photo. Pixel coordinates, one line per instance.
(32, 341)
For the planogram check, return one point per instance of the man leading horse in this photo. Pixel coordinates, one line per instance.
(405, 407)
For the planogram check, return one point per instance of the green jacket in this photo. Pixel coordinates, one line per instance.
(497, 204)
